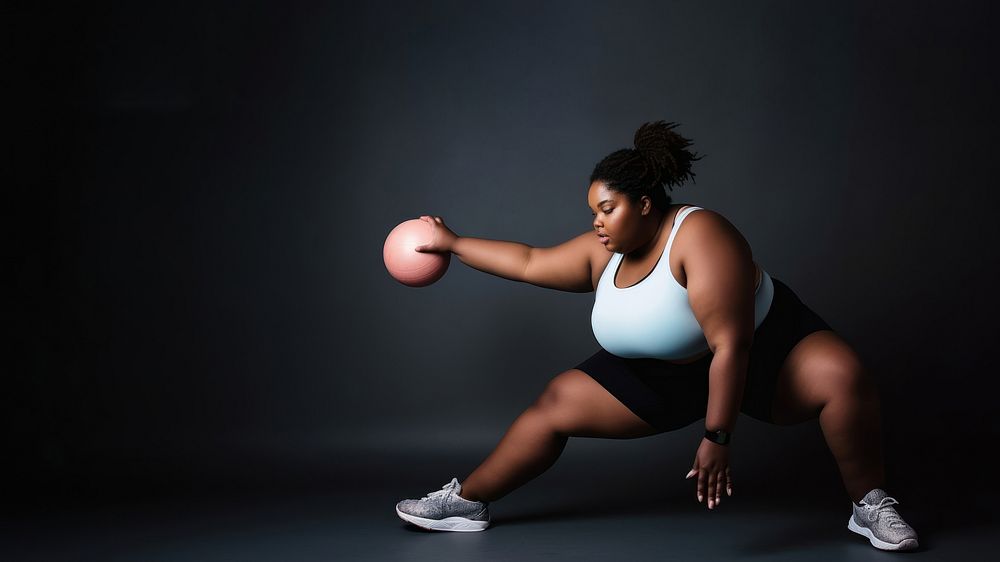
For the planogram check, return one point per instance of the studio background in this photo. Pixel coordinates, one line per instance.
(200, 195)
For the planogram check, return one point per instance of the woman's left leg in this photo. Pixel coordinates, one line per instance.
(823, 377)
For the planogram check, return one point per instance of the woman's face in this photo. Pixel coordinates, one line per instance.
(617, 218)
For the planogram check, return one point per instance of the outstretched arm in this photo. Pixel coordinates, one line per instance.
(496, 257)
(565, 267)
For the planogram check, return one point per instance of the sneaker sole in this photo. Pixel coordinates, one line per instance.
(905, 544)
(460, 524)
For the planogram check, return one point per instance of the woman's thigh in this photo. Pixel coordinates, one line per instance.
(820, 366)
(577, 405)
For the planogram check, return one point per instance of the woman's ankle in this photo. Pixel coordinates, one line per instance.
(469, 494)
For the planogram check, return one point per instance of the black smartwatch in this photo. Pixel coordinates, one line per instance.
(721, 436)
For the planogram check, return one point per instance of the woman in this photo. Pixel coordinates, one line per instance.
(685, 318)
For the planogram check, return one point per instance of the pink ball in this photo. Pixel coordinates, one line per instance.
(405, 263)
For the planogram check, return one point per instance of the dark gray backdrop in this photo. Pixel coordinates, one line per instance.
(201, 195)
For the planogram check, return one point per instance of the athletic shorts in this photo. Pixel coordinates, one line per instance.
(670, 396)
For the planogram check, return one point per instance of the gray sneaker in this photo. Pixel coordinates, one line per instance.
(444, 510)
(877, 520)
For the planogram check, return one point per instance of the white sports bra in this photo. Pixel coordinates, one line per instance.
(653, 318)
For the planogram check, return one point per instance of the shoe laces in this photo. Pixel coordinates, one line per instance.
(884, 509)
(445, 490)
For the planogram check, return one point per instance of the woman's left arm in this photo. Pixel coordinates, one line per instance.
(718, 264)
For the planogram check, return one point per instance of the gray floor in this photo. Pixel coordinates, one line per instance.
(603, 499)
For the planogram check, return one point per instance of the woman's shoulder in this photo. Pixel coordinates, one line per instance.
(700, 214)
(704, 225)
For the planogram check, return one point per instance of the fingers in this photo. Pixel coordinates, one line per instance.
(715, 483)
(431, 220)
(720, 478)
(710, 485)
(711, 490)
(701, 485)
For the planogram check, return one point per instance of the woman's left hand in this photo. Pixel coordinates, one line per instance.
(711, 466)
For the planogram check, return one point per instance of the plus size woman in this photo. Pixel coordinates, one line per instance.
(690, 328)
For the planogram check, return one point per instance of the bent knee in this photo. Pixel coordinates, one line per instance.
(851, 379)
(563, 390)
(563, 403)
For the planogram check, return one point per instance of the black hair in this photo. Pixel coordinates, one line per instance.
(659, 161)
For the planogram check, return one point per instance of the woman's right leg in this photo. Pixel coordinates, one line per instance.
(572, 405)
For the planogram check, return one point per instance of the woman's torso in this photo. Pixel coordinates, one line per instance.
(629, 274)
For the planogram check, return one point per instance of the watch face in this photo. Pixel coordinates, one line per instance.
(719, 436)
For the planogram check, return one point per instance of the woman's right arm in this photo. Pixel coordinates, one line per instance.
(566, 267)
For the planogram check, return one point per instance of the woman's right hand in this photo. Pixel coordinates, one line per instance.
(442, 238)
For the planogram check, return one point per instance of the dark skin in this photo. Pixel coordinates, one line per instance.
(725, 267)
(720, 283)
(822, 376)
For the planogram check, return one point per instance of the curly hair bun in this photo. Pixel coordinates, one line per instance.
(666, 151)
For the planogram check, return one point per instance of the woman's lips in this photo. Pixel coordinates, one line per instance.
(603, 239)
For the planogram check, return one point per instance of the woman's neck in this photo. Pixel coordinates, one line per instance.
(644, 250)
